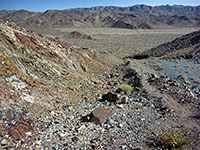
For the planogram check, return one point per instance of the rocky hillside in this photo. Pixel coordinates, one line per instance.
(31, 63)
(187, 47)
(54, 95)
(138, 16)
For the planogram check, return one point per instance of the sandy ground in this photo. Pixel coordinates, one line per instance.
(119, 42)
(125, 42)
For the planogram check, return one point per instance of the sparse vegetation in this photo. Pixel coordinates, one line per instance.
(173, 139)
(126, 88)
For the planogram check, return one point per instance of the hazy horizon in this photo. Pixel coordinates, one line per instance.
(43, 5)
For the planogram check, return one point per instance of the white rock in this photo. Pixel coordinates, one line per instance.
(28, 133)
(120, 106)
(4, 142)
(124, 146)
(62, 134)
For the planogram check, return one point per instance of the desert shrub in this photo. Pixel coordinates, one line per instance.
(126, 88)
(172, 139)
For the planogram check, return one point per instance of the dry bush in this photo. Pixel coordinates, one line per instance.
(173, 139)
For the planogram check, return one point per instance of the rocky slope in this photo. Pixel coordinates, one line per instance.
(186, 47)
(35, 70)
(138, 16)
(51, 91)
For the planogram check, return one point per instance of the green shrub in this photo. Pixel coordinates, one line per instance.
(172, 139)
(126, 88)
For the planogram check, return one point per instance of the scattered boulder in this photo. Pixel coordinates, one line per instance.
(19, 130)
(98, 115)
(111, 97)
(115, 98)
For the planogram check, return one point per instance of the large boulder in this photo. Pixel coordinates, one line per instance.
(98, 115)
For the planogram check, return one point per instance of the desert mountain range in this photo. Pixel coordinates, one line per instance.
(133, 17)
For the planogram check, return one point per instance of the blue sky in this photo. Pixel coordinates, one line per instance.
(43, 5)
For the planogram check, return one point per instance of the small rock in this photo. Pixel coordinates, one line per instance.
(139, 141)
(111, 122)
(124, 146)
(120, 125)
(110, 83)
(83, 66)
(166, 86)
(130, 99)
(128, 93)
(124, 99)
(154, 133)
(99, 115)
(56, 121)
(62, 134)
(157, 123)
(28, 133)
(52, 113)
(75, 139)
(4, 142)
(142, 100)
(182, 101)
(81, 128)
(120, 106)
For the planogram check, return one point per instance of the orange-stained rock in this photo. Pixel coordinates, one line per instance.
(19, 130)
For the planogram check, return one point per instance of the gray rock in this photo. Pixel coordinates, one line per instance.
(100, 115)
(111, 122)
(166, 86)
(120, 125)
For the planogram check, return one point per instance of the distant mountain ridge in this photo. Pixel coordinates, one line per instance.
(142, 9)
(133, 17)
